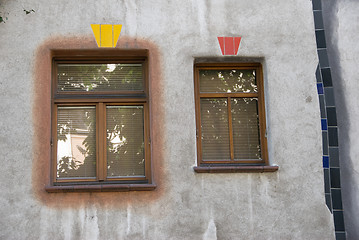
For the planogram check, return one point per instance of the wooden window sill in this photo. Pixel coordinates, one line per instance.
(234, 169)
(101, 188)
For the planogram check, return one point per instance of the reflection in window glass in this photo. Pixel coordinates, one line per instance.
(99, 77)
(245, 128)
(76, 142)
(215, 134)
(125, 141)
(228, 81)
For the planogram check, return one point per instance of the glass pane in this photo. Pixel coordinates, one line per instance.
(76, 142)
(245, 128)
(99, 77)
(125, 141)
(234, 80)
(215, 133)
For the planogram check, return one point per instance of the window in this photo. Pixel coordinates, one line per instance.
(100, 122)
(230, 118)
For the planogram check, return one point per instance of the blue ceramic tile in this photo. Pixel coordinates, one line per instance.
(325, 162)
(338, 221)
(320, 37)
(320, 88)
(324, 124)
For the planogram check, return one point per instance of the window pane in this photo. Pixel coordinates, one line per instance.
(234, 80)
(76, 142)
(245, 128)
(214, 125)
(99, 77)
(125, 141)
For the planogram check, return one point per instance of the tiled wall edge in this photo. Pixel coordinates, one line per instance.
(331, 166)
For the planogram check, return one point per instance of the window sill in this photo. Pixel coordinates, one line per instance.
(101, 188)
(234, 169)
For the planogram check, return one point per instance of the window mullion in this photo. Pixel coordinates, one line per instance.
(230, 128)
(101, 142)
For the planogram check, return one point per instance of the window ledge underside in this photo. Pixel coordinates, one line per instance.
(101, 188)
(234, 169)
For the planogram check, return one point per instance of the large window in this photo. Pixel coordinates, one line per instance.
(230, 117)
(100, 116)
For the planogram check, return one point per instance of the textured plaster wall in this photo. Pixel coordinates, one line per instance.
(288, 204)
(341, 21)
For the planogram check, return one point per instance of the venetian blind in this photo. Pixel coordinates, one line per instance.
(245, 128)
(125, 141)
(215, 124)
(76, 142)
(233, 80)
(99, 77)
(215, 134)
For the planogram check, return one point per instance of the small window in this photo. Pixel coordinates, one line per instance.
(100, 130)
(230, 118)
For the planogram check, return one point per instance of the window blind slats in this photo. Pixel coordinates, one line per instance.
(76, 142)
(99, 77)
(215, 133)
(245, 128)
(125, 141)
(226, 81)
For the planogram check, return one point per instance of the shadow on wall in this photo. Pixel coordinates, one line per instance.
(349, 191)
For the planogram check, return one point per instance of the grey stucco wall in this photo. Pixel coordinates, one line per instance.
(288, 204)
(342, 22)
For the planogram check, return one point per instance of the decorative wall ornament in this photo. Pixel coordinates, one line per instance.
(229, 45)
(106, 35)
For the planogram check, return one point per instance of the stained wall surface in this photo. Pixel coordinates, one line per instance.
(287, 204)
(341, 22)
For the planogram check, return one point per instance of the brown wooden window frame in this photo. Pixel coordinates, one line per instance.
(231, 165)
(99, 100)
